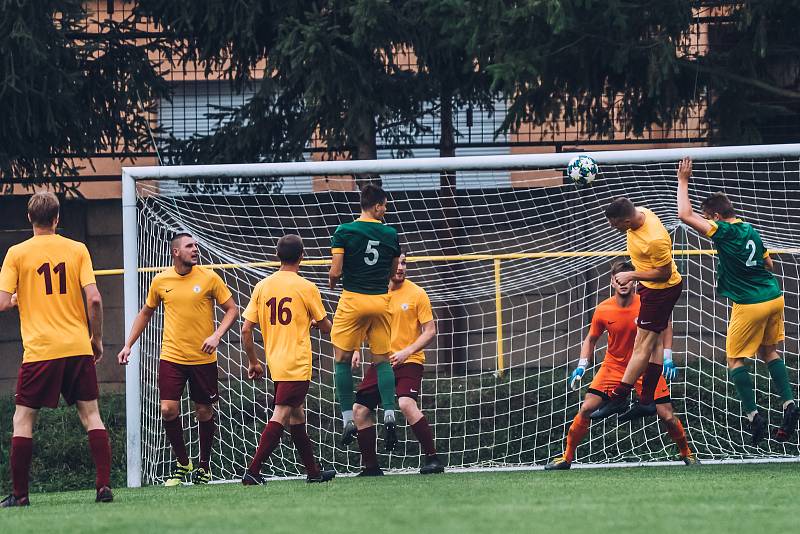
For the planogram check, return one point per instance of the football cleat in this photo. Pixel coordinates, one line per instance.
(104, 494)
(637, 411)
(325, 475)
(348, 434)
(201, 476)
(250, 479)
(11, 501)
(789, 425)
(559, 464)
(691, 460)
(389, 435)
(758, 429)
(609, 407)
(371, 472)
(181, 474)
(432, 466)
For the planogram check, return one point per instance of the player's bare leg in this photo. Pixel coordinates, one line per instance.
(674, 428)
(343, 376)
(365, 423)
(21, 456)
(171, 420)
(206, 426)
(577, 431)
(386, 388)
(644, 354)
(422, 430)
(100, 447)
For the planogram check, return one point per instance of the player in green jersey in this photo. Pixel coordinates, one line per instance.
(756, 323)
(365, 253)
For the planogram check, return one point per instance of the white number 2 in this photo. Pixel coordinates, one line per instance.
(371, 251)
(751, 246)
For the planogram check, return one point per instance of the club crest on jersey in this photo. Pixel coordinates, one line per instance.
(196, 289)
(404, 306)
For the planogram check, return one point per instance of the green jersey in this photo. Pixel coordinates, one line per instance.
(741, 275)
(369, 248)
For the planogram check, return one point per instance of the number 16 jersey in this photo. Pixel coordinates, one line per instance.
(283, 305)
(48, 274)
(369, 246)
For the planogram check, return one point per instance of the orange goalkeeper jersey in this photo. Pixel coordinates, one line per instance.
(621, 326)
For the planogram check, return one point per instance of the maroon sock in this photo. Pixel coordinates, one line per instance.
(366, 443)
(649, 382)
(174, 432)
(21, 454)
(101, 456)
(270, 438)
(306, 449)
(206, 441)
(622, 390)
(424, 435)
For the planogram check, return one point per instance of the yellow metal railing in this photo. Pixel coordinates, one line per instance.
(497, 259)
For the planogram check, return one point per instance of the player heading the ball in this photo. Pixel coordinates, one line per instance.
(365, 254)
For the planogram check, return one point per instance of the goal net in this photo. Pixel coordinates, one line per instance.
(514, 258)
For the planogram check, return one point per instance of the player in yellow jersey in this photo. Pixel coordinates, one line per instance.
(413, 328)
(188, 349)
(650, 248)
(47, 278)
(285, 305)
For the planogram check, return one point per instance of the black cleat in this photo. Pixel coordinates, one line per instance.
(758, 429)
(789, 425)
(691, 460)
(325, 475)
(559, 464)
(104, 494)
(432, 465)
(12, 502)
(348, 434)
(371, 472)
(250, 479)
(637, 411)
(609, 407)
(389, 436)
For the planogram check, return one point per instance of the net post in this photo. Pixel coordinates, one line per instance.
(130, 253)
(498, 310)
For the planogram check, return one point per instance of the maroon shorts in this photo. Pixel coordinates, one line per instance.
(656, 306)
(407, 380)
(39, 384)
(291, 393)
(172, 378)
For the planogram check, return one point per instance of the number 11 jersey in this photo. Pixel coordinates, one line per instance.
(369, 246)
(283, 305)
(48, 274)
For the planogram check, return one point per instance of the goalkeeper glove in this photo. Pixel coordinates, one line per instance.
(670, 370)
(577, 375)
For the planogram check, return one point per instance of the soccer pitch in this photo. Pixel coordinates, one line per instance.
(729, 498)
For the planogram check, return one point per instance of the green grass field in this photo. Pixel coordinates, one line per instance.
(650, 500)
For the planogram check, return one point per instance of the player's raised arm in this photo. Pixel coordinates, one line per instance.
(139, 324)
(685, 211)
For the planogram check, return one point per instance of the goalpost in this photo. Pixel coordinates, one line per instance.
(514, 257)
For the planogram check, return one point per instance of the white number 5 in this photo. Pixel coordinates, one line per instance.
(371, 251)
(751, 246)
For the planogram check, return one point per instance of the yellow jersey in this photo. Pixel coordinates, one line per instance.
(283, 305)
(48, 274)
(188, 312)
(650, 246)
(410, 308)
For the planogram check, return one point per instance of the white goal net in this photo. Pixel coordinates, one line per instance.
(514, 259)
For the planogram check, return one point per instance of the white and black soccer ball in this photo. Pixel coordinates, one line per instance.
(582, 170)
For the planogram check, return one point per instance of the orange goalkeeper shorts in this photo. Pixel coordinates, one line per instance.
(610, 375)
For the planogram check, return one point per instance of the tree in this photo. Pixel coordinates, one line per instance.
(65, 94)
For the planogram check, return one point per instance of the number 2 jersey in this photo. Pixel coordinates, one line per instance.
(741, 274)
(48, 274)
(283, 305)
(369, 247)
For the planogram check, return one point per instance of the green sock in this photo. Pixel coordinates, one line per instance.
(780, 377)
(386, 385)
(343, 377)
(744, 388)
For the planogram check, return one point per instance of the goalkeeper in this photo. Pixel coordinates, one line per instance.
(365, 253)
(617, 315)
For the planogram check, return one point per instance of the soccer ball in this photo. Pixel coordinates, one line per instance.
(582, 170)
